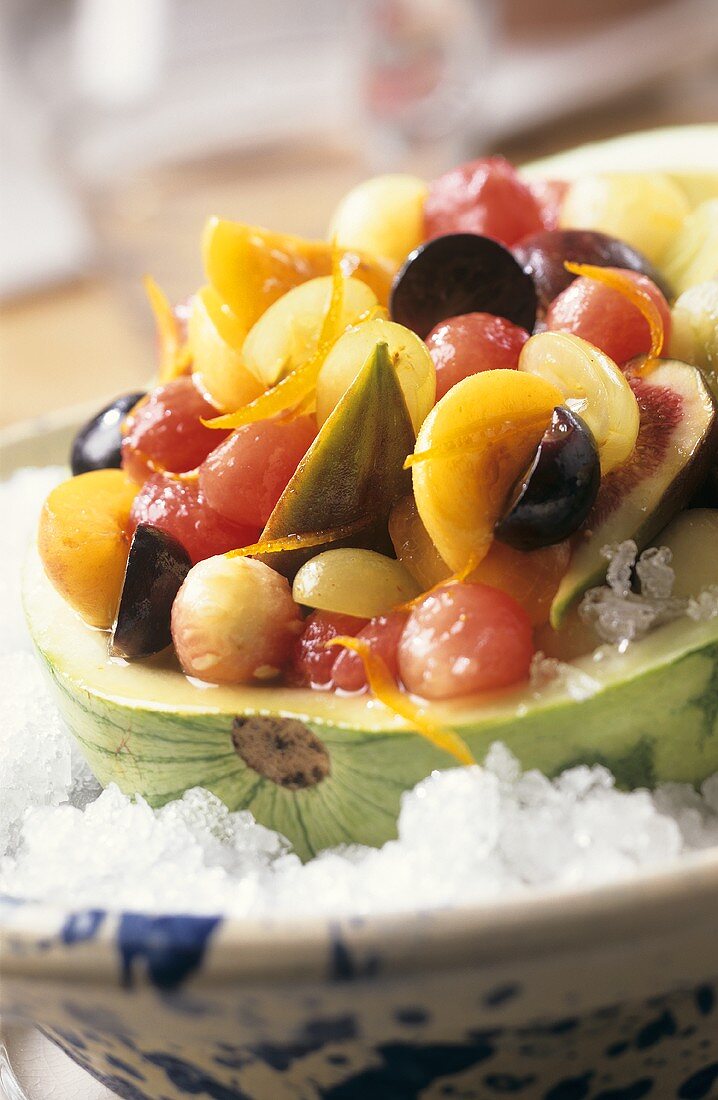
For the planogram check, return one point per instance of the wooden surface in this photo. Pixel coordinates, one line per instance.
(93, 339)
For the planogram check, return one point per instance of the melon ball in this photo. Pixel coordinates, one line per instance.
(234, 621)
(643, 209)
(383, 216)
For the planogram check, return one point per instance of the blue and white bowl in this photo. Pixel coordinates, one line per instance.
(609, 994)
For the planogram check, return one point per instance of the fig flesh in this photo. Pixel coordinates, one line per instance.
(156, 567)
(553, 498)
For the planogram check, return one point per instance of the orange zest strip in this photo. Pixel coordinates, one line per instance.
(174, 356)
(300, 542)
(638, 297)
(299, 384)
(467, 570)
(156, 467)
(455, 578)
(330, 324)
(306, 405)
(475, 440)
(188, 476)
(383, 687)
(469, 441)
(294, 388)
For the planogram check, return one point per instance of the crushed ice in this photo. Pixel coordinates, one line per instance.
(465, 835)
(40, 764)
(622, 611)
(550, 670)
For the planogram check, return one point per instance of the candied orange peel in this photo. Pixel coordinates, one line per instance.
(458, 577)
(156, 467)
(297, 387)
(175, 356)
(490, 431)
(300, 541)
(638, 297)
(383, 687)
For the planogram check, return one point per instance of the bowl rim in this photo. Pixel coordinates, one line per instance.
(490, 934)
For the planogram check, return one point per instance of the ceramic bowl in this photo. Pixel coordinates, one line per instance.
(604, 994)
(609, 994)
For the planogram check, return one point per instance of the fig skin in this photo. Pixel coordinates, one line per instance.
(558, 490)
(353, 471)
(97, 445)
(706, 496)
(156, 568)
(542, 255)
(461, 273)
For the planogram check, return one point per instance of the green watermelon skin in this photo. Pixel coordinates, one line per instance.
(650, 715)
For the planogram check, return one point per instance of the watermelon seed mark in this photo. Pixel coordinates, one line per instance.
(283, 750)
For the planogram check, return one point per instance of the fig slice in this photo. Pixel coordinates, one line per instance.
(676, 444)
(457, 274)
(156, 567)
(352, 472)
(553, 498)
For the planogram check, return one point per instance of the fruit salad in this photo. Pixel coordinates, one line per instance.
(388, 464)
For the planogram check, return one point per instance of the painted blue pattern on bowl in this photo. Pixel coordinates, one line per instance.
(353, 1032)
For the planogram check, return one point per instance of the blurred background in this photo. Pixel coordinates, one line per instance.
(126, 122)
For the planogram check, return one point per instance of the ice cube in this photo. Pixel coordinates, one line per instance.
(655, 573)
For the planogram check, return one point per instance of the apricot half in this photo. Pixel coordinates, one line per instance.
(250, 267)
(532, 577)
(83, 541)
(215, 339)
(472, 448)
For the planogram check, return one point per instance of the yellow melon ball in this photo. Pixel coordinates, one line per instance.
(692, 255)
(383, 216)
(643, 210)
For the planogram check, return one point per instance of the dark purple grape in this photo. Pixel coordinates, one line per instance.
(156, 567)
(557, 492)
(97, 444)
(542, 256)
(461, 273)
